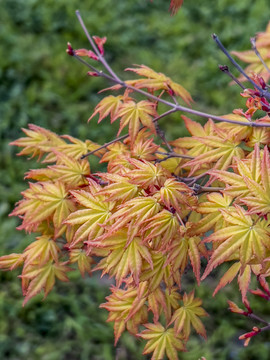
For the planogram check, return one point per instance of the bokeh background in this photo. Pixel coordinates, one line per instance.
(40, 84)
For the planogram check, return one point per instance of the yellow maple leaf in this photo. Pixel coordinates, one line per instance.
(44, 201)
(127, 308)
(160, 341)
(249, 168)
(125, 257)
(94, 212)
(43, 277)
(133, 114)
(245, 233)
(38, 141)
(110, 105)
(258, 199)
(188, 315)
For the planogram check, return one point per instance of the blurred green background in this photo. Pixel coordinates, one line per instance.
(40, 84)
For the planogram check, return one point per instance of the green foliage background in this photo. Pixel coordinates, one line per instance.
(41, 85)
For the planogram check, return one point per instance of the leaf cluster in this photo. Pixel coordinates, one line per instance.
(161, 209)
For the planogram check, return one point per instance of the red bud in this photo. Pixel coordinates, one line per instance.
(69, 49)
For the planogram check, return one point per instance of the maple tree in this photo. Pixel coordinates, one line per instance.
(161, 209)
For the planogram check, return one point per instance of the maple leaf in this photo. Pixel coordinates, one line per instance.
(110, 105)
(43, 201)
(125, 257)
(189, 314)
(258, 200)
(127, 308)
(172, 164)
(95, 212)
(250, 168)
(161, 341)
(223, 150)
(42, 175)
(120, 165)
(156, 303)
(164, 224)
(146, 173)
(38, 141)
(175, 193)
(175, 5)
(69, 170)
(43, 249)
(244, 277)
(121, 188)
(11, 261)
(157, 272)
(84, 261)
(194, 146)
(183, 248)
(144, 149)
(133, 114)
(76, 149)
(136, 210)
(236, 131)
(114, 151)
(244, 233)
(258, 136)
(43, 277)
(195, 129)
(211, 210)
(158, 81)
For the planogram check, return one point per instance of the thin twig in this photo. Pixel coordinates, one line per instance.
(172, 105)
(104, 146)
(239, 68)
(173, 154)
(225, 69)
(95, 48)
(208, 189)
(258, 318)
(179, 219)
(254, 47)
(166, 113)
(175, 107)
(161, 134)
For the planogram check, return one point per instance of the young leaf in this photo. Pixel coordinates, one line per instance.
(125, 257)
(161, 341)
(110, 105)
(158, 81)
(95, 212)
(43, 277)
(127, 308)
(133, 114)
(243, 233)
(188, 315)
